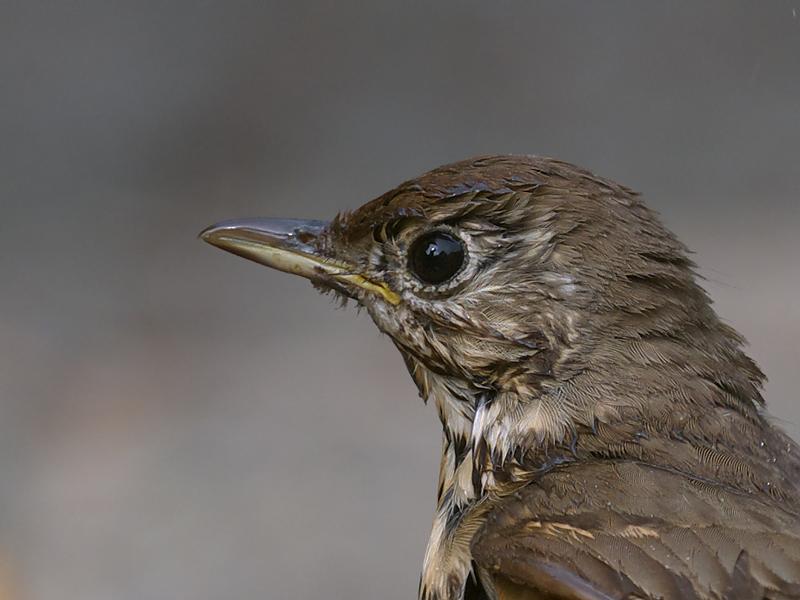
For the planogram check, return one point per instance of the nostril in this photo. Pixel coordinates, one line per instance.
(304, 236)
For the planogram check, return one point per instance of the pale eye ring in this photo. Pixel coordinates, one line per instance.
(436, 257)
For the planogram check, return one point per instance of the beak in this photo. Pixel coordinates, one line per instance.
(289, 245)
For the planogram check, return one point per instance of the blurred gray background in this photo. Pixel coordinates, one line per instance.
(180, 423)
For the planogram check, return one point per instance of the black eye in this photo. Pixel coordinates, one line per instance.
(435, 257)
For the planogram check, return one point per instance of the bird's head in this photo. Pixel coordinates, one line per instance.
(522, 280)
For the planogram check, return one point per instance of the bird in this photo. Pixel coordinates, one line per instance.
(604, 432)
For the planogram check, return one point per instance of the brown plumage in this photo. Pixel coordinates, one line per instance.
(604, 432)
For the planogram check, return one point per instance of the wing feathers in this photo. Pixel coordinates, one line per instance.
(627, 530)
